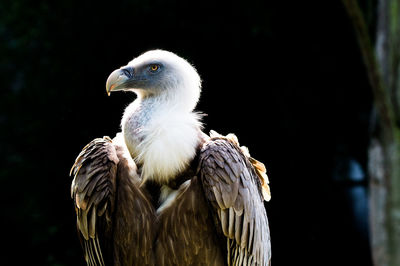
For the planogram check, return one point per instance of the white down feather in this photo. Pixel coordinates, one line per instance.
(169, 144)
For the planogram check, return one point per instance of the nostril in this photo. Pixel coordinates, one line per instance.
(127, 71)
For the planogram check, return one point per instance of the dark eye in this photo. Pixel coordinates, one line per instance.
(154, 67)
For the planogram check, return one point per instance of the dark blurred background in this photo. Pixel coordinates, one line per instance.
(286, 76)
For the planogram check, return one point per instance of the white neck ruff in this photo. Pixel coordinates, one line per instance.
(163, 139)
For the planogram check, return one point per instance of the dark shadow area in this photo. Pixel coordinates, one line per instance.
(286, 78)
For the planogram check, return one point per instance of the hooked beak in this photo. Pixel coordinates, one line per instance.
(117, 79)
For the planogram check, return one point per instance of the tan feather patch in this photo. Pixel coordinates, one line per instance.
(261, 171)
(262, 174)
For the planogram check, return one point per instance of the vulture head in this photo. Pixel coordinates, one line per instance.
(161, 74)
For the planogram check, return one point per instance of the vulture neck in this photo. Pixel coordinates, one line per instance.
(162, 136)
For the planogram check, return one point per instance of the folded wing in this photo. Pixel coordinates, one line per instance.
(114, 216)
(236, 191)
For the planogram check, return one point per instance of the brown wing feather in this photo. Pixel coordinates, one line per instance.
(106, 186)
(134, 227)
(234, 190)
(92, 190)
(186, 232)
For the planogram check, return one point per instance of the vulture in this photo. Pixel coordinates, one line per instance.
(162, 192)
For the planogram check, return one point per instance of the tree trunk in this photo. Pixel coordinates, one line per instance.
(383, 67)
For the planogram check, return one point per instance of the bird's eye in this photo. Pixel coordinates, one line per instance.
(154, 67)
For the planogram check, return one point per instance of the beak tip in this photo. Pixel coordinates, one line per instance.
(110, 88)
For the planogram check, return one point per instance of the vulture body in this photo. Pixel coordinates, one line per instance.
(162, 192)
